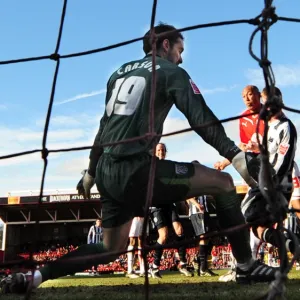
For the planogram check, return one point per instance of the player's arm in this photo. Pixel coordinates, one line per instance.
(193, 201)
(221, 165)
(191, 103)
(87, 181)
(97, 149)
(90, 234)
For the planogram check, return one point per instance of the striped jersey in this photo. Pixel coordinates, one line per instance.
(296, 183)
(95, 235)
(207, 203)
(282, 140)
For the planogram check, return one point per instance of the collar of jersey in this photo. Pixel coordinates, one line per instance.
(150, 54)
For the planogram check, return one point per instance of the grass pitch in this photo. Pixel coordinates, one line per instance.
(172, 286)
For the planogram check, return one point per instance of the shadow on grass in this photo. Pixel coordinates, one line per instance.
(161, 291)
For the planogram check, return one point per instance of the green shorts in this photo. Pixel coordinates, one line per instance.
(123, 186)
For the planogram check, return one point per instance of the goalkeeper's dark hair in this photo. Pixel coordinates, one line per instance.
(276, 90)
(161, 28)
(277, 93)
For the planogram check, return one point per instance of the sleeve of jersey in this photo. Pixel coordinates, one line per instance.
(283, 155)
(97, 149)
(188, 99)
(90, 235)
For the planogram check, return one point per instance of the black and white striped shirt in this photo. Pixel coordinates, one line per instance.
(282, 140)
(95, 235)
(202, 200)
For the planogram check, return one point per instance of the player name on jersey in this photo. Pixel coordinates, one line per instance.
(145, 65)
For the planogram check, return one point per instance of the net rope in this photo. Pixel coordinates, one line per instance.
(262, 23)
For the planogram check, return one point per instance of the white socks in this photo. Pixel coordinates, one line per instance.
(141, 261)
(254, 244)
(130, 259)
(37, 278)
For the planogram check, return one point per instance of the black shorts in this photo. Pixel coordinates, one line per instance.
(164, 216)
(123, 186)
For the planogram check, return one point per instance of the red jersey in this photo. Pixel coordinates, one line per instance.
(248, 128)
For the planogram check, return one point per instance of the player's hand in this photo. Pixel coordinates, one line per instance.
(252, 146)
(201, 208)
(241, 164)
(85, 184)
(243, 147)
(221, 165)
(218, 165)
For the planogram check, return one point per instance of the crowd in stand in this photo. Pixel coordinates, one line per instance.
(221, 258)
(50, 254)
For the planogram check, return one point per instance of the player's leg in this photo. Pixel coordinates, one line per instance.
(160, 219)
(293, 219)
(254, 244)
(199, 229)
(134, 233)
(271, 250)
(204, 249)
(140, 256)
(271, 235)
(139, 234)
(193, 180)
(179, 181)
(177, 226)
(131, 252)
(197, 223)
(82, 258)
(229, 214)
(130, 255)
(211, 182)
(206, 181)
(182, 267)
(254, 240)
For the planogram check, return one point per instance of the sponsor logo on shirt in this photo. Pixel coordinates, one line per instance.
(296, 182)
(283, 148)
(194, 87)
(181, 169)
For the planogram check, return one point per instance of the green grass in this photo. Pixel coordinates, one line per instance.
(173, 286)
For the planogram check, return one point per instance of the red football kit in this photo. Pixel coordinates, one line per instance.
(248, 128)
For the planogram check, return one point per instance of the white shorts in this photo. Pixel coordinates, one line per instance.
(136, 228)
(296, 183)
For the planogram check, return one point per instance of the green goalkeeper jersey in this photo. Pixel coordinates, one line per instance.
(127, 109)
